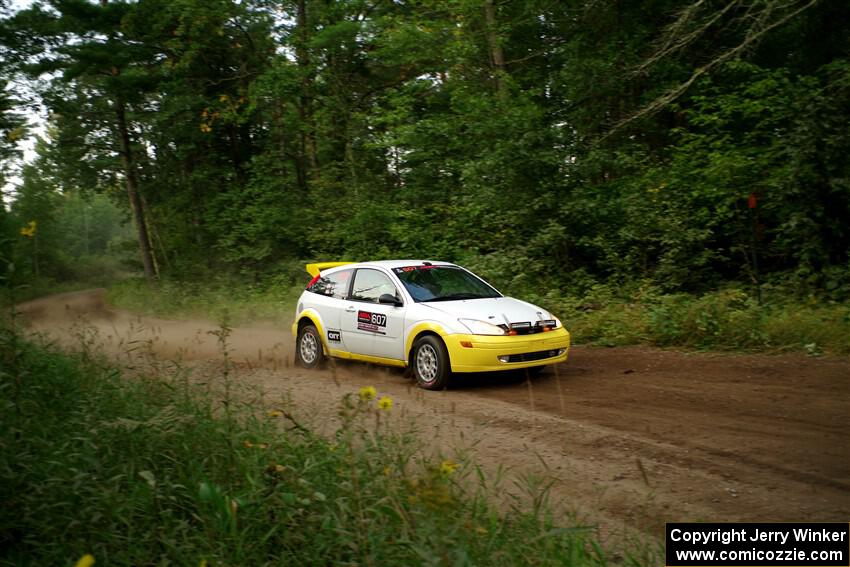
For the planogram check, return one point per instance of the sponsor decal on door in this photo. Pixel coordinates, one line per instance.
(372, 322)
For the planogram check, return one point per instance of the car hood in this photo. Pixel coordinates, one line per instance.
(496, 310)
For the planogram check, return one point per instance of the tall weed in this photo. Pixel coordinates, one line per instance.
(153, 470)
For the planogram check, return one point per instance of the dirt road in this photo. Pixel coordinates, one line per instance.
(630, 437)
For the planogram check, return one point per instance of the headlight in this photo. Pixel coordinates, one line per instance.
(477, 327)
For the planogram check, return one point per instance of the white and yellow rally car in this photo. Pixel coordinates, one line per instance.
(434, 317)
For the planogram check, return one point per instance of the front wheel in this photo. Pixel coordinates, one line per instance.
(308, 347)
(430, 363)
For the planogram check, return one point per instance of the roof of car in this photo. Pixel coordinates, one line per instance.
(402, 263)
(390, 264)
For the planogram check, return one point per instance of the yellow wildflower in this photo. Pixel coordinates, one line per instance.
(86, 560)
(29, 230)
(368, 393)
(205, 128)
(385, 403)
(275, 413)
(448, 467)
(387, 471)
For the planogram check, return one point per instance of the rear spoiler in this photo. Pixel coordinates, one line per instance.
(314, 269)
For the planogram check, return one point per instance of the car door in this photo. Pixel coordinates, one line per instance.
(331, 292)
(368, 326)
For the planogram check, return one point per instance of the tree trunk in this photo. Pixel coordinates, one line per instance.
(497, 56)
(305, 106)
(133, 190)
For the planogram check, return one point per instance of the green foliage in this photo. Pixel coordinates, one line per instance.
(742, 139)
(730, 319)
(149, 470)
(76, 237)
(13, 127)
(522, 141)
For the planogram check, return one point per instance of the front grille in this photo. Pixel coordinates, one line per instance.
(531, 356)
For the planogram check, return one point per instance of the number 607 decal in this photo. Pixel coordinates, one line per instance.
(372, 322)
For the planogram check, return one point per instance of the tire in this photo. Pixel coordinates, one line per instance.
(308, 348)
(430, 363)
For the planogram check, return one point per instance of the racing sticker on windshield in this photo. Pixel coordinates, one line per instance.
(372, 322)
(334, 336)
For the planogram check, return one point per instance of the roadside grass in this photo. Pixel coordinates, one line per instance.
(605, 315)
(233, 300)
(157, 468)
(88, 272)
(726, 320)
(40, 288)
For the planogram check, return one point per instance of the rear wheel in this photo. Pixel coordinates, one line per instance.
(430, 363)
(308, 347)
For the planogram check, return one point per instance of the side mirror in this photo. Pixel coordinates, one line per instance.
(388, 299)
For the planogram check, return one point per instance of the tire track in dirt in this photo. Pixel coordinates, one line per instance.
(629, 438)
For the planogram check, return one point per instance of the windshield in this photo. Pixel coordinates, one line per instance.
(443, 283)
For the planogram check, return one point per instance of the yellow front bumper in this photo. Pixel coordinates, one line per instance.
(484, 352)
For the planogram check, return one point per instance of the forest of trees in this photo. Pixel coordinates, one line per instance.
(689, 143)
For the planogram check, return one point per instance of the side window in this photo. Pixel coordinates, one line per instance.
(369, 285)
(333, 285)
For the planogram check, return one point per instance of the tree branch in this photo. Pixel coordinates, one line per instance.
(752, 36)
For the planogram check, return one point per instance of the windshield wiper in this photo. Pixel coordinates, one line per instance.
(457, 296)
